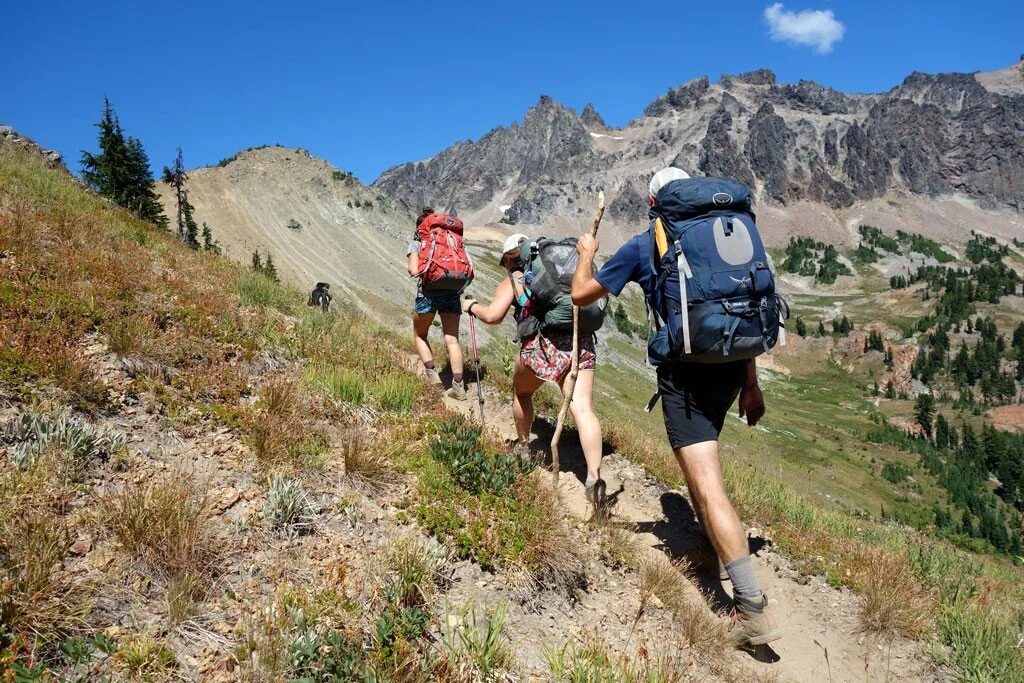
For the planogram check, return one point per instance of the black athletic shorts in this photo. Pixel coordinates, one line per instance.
(696, 397)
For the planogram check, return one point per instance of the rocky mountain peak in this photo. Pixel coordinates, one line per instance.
(755, 77)
(681, 97)
(591, 118)
(931, 135)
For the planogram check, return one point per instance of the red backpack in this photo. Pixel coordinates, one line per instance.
(444, 263)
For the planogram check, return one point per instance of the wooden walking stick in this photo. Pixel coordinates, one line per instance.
(574, 367)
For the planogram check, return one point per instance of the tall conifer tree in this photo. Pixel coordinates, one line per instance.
(120, 170)
(175, 176)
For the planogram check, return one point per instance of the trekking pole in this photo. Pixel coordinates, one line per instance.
(476, 362)
(574, 367)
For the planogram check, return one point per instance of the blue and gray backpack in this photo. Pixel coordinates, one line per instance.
(714, 297)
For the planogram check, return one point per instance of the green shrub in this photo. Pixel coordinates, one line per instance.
(895, 472)
(458, 447)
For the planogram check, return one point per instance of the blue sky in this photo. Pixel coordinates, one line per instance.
(371, 84)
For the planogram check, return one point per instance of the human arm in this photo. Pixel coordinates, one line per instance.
(494, 312)
(585, 289)
(412, 257)
(751, 399)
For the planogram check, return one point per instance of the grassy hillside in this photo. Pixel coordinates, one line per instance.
(201, 478)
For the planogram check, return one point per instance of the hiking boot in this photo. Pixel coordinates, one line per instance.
(750, 624)
(432, 376)
(458, 391)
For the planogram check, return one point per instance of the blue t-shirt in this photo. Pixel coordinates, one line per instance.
(631, 263)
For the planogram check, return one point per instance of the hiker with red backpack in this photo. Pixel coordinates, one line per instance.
(437, 258)
(710, 290)
(538, 288)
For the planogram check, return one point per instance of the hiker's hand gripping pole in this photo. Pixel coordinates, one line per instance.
(574, 367)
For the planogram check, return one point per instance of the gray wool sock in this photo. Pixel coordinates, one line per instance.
(744, 581)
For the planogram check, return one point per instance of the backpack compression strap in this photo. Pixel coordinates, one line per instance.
(683, 270)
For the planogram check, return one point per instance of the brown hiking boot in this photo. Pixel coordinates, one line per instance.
(750, 624)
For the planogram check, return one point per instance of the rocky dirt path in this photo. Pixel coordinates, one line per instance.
(821, 640)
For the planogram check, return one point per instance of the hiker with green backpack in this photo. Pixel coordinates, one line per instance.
(537, 287)
(709, 286)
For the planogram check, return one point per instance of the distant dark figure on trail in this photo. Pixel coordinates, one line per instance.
(321, 296)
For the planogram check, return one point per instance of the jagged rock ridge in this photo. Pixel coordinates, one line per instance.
(946, 134)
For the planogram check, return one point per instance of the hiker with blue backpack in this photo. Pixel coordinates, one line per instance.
(538, 288)
(709, 286)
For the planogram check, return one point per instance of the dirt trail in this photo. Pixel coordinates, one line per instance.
(820, 640)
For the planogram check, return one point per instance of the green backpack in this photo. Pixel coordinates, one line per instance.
(548, 266)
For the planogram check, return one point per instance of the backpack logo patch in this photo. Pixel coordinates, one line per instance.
(722, 198)
(745, 282)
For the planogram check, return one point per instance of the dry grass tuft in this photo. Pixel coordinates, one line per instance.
(551, 556)
(894, 600)
(702, 629)
(618, 547)
(37, 595)
(413, 567)
(663, 581)
(366, 463)
(167, 524)
(594, 661)
(280, 428)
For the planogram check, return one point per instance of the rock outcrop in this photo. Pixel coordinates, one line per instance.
(945, 134)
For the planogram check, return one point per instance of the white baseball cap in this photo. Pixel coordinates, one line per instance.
(513, 242)
(664, 177)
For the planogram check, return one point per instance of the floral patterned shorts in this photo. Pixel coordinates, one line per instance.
(549, 354)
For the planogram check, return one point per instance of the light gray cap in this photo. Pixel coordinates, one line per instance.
(664, 177)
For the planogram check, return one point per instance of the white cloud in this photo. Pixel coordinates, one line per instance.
(814, 28)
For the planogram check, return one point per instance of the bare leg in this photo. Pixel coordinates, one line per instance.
(420, 330)
(524, 385)
(450, 328)
(703, 472)
(587, 425)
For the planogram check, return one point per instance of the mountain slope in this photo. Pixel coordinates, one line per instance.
(795, 144)
(347, 234)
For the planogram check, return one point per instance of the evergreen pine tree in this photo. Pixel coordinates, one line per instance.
(924, 413)
(821, 329)
(257, 262)
(120, 170)
(801, 327)
(175, 176)
(210, 244)
(269, 270)
(105, 173)
(141, 193)
(942, 439)
(890, 390)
